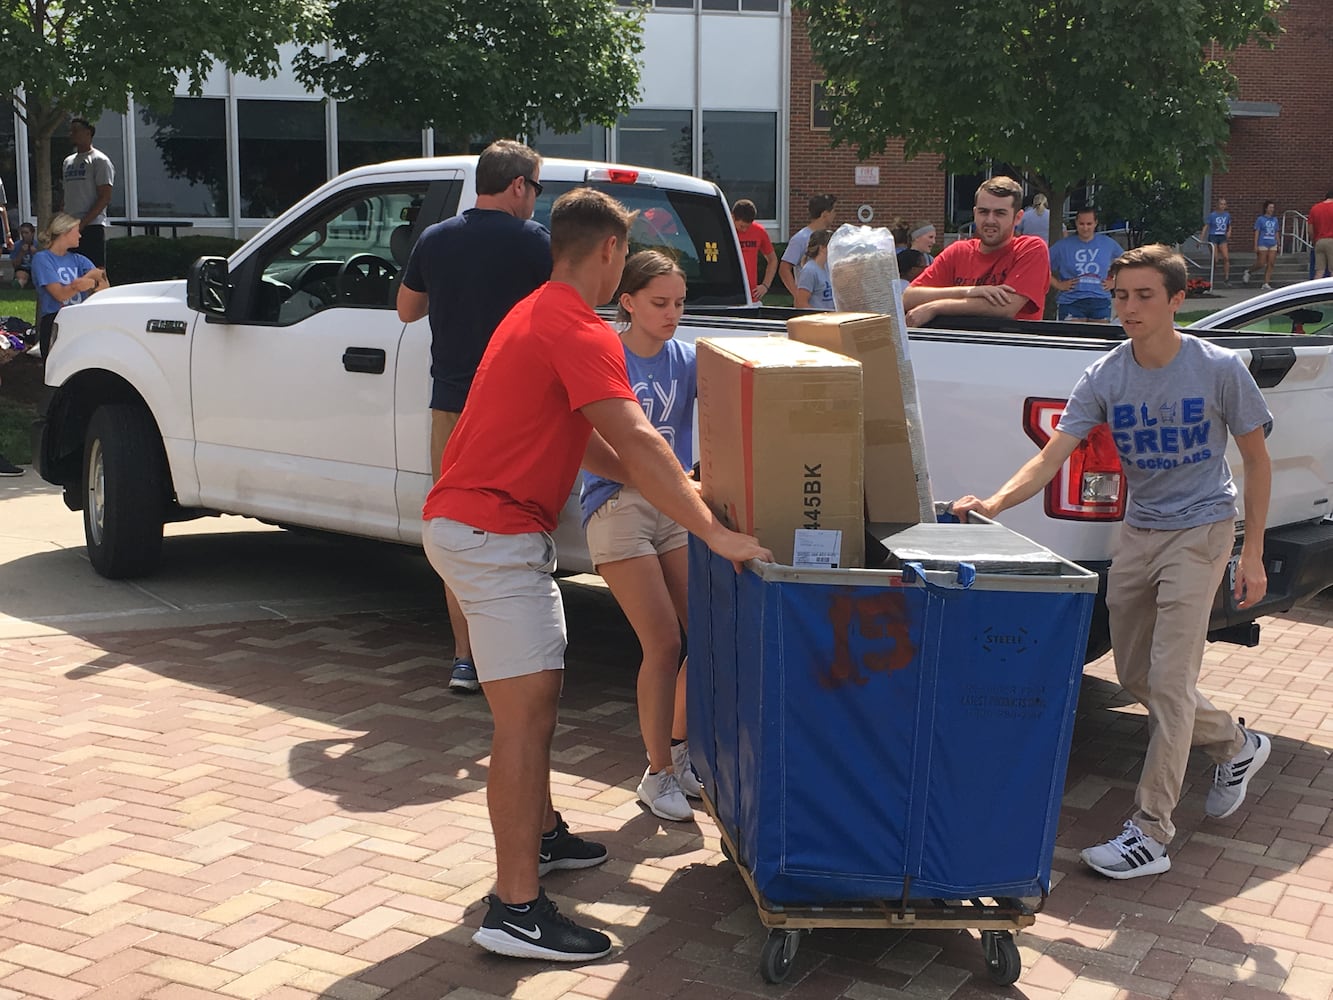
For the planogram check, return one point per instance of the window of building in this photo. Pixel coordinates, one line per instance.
(661, 139)
(109, 139)
(741, 157)
(181, 159)
(281, 150)
(587, 144)
(8, 160)
(821, 118)
(362, 140)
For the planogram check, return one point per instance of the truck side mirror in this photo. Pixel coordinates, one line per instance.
(207, 286)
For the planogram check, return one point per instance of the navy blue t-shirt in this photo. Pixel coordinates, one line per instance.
(474, 267)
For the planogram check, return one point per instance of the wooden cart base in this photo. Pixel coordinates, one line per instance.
(995, 920)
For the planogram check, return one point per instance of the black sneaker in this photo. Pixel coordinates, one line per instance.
(8, 468)
(538, 931)
(563, 850)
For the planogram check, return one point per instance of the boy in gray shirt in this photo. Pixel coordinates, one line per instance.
(1170, 400)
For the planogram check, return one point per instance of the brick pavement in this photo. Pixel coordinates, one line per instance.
(295, 810)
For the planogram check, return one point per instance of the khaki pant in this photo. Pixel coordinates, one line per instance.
(442, 424)
(1323, 256)
(1159, 595)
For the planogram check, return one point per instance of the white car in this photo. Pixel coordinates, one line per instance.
(1304, 308)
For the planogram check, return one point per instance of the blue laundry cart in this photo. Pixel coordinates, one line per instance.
(888, 747)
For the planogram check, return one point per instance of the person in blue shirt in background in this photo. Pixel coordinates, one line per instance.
(814, 289)
(1265, 243)
(639, 551)
(1216, 229)
(62, 277)
(1080, 264)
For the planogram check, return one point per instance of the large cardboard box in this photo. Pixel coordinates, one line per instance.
(780, 441)
(897, 486)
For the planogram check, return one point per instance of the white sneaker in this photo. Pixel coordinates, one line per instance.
(680, 763)
(1129, 855)
(1245, 278)
(1231, 779)
(1266, 287)
(661, 793)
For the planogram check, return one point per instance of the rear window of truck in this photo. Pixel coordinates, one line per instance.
(694, 229)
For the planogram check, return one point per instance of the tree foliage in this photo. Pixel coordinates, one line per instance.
(1061, 90)
(1159, 208)
(481, 67)
(84, 56)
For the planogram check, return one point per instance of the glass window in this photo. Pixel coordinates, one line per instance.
(661, 139)
(741, 157)
(8, 162)
(719, 4)
(342, 255)
(109, 139)
(588, 144)
(694, 229)
(1307, 318)
(181, 159)
(363, 140)
(281, 152)
(821, 118)
(768, 6)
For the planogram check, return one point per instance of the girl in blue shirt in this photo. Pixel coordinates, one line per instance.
(61, 276)
(639, 551)
(1265, 242)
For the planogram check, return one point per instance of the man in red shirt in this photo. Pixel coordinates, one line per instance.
(754, 241)
(1321, 236)
(551, 394)
(995, 274)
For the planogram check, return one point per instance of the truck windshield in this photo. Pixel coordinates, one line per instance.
(692, 228)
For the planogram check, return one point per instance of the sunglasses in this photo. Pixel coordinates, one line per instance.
(535, 185)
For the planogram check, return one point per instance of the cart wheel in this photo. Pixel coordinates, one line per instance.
(779, 951)
(1003, 963)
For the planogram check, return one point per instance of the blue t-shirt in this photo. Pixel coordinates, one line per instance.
(474, 267)
(1089, 262)
(57, 269)
(1267, 226)
(666, 386)
(815, 280)
(1170, 426)
(1219, 223)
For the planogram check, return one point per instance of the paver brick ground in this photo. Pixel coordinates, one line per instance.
(293, 810)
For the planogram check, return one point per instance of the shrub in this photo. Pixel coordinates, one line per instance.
(132, 259)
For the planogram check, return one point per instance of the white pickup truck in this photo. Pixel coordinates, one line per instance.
(280, 384)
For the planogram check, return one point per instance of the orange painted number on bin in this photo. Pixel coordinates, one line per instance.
(882, 623)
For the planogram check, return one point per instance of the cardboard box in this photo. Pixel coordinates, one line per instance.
(780, 441)
(897, 483)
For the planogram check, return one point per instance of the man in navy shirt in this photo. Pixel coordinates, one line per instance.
(466, 273)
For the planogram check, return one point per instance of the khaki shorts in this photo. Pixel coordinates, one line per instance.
(628, 526)
(442, 424)
(503, 583)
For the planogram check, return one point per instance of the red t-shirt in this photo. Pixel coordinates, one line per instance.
(1023, 263)
(1321, 221)
(512, 459)
(754, 241)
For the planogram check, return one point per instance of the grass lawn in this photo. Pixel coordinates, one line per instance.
(20, 383)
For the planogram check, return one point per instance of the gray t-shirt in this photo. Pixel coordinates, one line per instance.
(795, 252)
(1170, 426)
(83, 174)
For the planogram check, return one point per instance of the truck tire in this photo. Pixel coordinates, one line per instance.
(124, 473)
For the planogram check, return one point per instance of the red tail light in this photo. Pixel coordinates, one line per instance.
(1090, 486)
(614, 175)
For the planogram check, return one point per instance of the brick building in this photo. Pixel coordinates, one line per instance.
(1281, 134)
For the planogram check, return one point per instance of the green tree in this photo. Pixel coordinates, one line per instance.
(1160, 208)
(1063, 90)
(481, 67)
(80, 57)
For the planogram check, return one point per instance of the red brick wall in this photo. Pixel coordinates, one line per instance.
(912, 190)
(1285, 158)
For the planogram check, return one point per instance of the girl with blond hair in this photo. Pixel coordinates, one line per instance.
(61, 276)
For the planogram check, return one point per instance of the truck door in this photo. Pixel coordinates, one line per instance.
(294, 397)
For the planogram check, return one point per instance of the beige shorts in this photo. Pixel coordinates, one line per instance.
(504, 585)
(442, 424)
(628, 526)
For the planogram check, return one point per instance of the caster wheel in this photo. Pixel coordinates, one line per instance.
(779, 951)
(1003, 963)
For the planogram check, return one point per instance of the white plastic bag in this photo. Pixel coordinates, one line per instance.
(863, 266)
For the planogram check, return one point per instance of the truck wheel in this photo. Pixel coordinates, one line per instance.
(124, 476)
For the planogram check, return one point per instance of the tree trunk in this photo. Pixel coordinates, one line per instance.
(43, 120)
